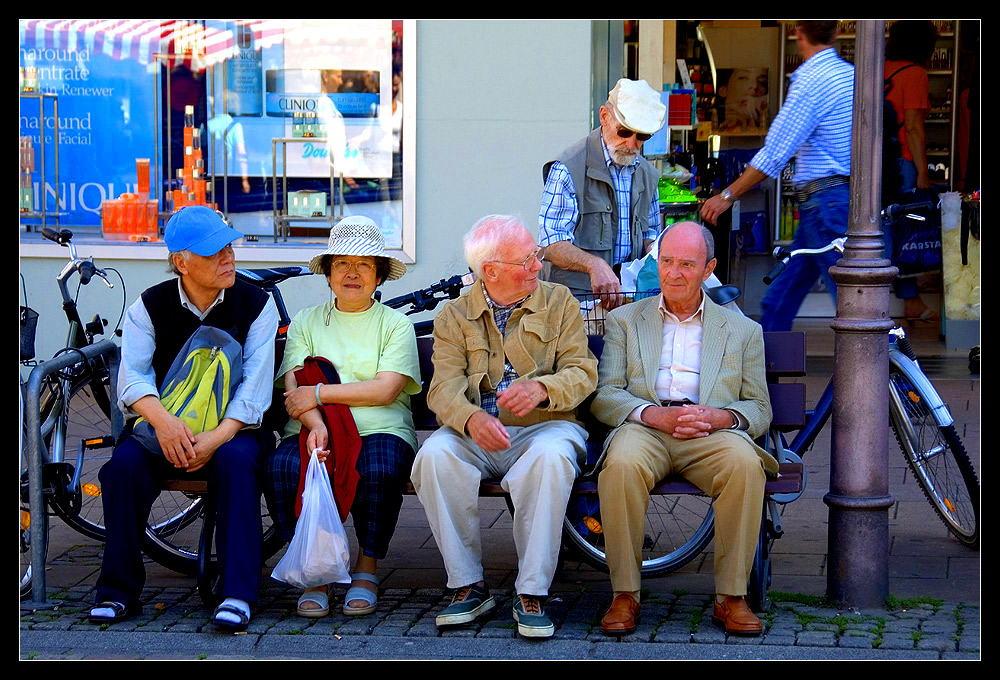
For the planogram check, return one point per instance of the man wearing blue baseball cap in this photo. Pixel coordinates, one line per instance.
(156, 328)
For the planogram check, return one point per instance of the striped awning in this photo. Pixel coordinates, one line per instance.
(192, 43)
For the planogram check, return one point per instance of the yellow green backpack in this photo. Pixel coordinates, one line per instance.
(199, 384)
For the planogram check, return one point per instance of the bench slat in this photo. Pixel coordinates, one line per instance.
(788, 481)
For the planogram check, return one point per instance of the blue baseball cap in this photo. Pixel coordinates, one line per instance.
(199, 229)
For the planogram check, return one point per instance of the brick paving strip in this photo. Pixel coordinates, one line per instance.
(174, 624)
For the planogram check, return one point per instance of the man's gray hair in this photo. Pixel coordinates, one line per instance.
(487, 236)
(171, 267)
(705, 234)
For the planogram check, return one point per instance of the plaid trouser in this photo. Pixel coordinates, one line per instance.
(384, 465)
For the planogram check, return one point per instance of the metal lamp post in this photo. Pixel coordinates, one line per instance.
(857, 568)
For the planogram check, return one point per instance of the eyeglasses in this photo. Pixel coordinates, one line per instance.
(538, 254)
(363, 267)
(625, 133)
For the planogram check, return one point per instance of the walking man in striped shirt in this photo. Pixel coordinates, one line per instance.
(600, 205)
(814, 126)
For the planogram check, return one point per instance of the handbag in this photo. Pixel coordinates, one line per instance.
(916, 243)
(318, 553)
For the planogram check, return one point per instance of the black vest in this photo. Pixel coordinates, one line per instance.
(173, 324)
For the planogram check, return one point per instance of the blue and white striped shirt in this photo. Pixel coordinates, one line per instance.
(814, 124)
(560, 212)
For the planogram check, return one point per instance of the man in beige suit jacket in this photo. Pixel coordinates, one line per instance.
(682, 382)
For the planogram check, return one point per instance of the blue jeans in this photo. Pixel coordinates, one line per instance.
(822, 218)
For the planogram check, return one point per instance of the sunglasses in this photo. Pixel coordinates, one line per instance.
(625, 133)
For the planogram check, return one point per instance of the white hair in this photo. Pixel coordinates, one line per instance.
(171, 267)
(487, 236)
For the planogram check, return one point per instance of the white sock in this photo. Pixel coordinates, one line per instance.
(229, 616)
(104, 612)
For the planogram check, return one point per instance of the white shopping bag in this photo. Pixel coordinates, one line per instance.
(318, 553)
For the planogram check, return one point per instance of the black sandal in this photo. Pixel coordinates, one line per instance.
(230, 609)
(121, 612)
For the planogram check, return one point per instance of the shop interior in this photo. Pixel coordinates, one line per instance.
(704, 152)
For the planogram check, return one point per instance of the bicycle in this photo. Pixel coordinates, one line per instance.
(920, 420)
(75, 413)
(679, 528)
(182, 550)
(75, 410)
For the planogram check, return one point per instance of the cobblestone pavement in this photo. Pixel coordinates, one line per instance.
(175, 624)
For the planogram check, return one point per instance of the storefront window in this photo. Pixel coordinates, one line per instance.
(285, 125)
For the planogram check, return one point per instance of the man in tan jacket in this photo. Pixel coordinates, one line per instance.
(511, 366)
(682, 382)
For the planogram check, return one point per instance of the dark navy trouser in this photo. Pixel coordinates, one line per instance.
(130, 483)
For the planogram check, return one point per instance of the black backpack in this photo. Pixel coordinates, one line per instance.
(892, 150)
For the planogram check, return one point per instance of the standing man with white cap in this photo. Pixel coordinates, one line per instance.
(600, 205)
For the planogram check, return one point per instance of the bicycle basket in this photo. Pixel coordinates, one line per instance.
(595, 310)
(29, 322)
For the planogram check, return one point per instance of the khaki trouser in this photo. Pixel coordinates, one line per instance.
(723, 465)
(538, 471)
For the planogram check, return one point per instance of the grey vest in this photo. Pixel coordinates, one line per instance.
(597, 227)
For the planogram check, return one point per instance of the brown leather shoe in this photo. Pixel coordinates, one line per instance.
(735, 616)
(621, 617)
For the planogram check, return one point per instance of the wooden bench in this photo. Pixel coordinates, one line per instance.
(785, 357)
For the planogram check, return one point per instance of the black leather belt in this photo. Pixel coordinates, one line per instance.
(683, 402)
(801, 195)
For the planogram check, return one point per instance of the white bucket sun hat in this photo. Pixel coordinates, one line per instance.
(360, 236)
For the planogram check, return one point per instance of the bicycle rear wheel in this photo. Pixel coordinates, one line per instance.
(937, 458)
(678, 529)
(88, 421)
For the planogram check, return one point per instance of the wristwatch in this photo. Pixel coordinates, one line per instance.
(726, 195)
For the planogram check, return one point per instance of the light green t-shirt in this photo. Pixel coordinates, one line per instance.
(359, 345)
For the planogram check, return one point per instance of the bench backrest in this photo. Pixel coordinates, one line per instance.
(784, 356)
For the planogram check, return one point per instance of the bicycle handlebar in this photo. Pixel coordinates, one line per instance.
(785, 255)
(897, 209)
(428, 298)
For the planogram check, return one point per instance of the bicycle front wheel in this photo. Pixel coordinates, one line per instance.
(937, 458)
(678, 529)
(177, 548)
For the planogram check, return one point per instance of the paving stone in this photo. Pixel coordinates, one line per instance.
(673, 636)
(904, 626)
(856, 641)
(969, 643)
(423, 630)
(897, 641)
(938, 643)
(939, 628)
(816, 638)
(709, 635)
(745, 640)
(782, 640)
(571, 633)
(827, 627)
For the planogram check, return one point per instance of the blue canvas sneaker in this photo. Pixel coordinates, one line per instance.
(531, 618)
(468, 604)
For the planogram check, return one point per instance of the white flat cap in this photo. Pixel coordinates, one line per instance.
(637, 106)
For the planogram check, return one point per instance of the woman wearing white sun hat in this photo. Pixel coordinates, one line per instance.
(374, 351)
